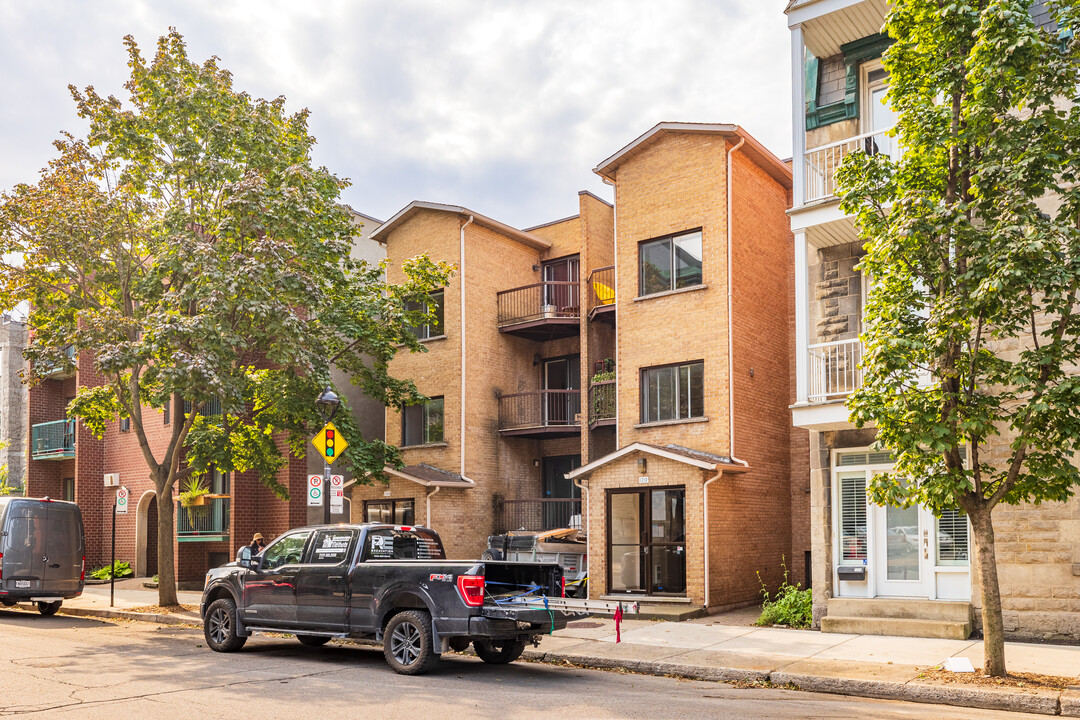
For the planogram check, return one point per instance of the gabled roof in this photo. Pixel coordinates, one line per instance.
(430, 476)
(697, 458)
(757, 152)
(417, 206)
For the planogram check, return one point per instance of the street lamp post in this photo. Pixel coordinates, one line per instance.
(328, 404)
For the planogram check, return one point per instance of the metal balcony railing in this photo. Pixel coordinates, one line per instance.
(538, 514)
(539, 301)
(602, 287)
(834, 369)
(539, 409)
(823, 162)
(209, 521)
(601, 401)
(53, 440)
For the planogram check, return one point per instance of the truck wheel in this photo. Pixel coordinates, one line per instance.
(499, 652)
(491, 554)
(407, 643)
(313, 640)
(219, 626)
(49, 608)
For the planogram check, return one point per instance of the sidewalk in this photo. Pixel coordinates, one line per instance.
(709, 649)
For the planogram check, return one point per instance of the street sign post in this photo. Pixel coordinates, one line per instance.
(120, 507)
(121, 501)
(330, 443)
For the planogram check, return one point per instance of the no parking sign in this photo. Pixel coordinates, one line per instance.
(314, 490)
(121, 500)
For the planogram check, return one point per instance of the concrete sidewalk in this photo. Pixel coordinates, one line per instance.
(710, 649)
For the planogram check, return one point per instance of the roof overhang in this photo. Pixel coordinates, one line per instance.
(702, 460)
(430, 479)
(757, 152)
(829, 24)
(418, 206)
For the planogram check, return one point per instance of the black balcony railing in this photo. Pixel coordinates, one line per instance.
(557, 409)
(602, 402)
(209, 521)
(539, 514)
(53, 440)
(539, 301)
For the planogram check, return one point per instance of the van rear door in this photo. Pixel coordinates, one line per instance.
(25, 546)
(64, 550)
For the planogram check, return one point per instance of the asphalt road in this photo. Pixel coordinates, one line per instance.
(66, 667)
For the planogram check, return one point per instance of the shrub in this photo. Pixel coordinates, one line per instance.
(790, 605)
(119, 569)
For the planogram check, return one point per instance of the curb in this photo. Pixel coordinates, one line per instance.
(1039, 702)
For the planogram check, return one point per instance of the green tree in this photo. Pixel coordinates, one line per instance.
(972, 331)
(189, 248)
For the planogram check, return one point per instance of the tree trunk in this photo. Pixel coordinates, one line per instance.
(165, 540)
(993, 628)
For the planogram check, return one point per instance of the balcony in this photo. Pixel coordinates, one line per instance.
(834, 370)
(602, 294)
(601, 404)
(208, 522)
(541, 311)
(538, 514)
(58, 371)
(821, 163)
(540, 414)
(53, 440)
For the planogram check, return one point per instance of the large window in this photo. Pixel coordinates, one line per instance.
(670, 263)
(673, 392)
(391, 512)
(422, 424)
(434, 305)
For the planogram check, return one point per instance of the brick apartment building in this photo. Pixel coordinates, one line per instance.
(597, 370)
(884, 569)
(67, 462)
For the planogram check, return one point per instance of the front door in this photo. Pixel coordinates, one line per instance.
(562, 499)
(647, 541)
(902, 551)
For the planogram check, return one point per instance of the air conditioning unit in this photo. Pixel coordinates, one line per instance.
(112, 479)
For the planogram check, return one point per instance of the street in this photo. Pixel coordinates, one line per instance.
(88, 668)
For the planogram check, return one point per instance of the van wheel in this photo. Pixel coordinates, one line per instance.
(313, 640)
(219, 626)
(499, 652)
(49, 608)
(407, 643)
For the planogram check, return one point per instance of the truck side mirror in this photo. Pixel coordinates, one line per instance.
(244, 557)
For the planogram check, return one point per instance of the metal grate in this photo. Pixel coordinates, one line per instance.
(853, 518)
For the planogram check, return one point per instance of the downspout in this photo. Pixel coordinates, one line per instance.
(730, 340)
(461, 281)
(437, 489)
(615, 262)
(588, 518)
(705, 526)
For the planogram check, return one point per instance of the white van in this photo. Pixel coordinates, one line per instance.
(42, 552)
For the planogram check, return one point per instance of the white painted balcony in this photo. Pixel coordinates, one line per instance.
(834, 370)
(821, 163)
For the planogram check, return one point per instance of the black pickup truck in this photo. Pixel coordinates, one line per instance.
(392, 583)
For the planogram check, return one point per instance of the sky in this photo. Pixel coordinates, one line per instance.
(503, 106)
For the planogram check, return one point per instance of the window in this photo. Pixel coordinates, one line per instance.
(414, 544)
(422, 424)
(165, 412)
(670, 263)
(391, 512)
(852, 518)
(125, 424)
(434, 304)
(332, 547)
(673, 392)
(952, 538)
(285, 551)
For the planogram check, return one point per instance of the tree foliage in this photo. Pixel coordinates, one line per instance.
(189, 247)
(972, 335)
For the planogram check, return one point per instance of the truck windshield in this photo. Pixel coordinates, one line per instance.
(414, 544)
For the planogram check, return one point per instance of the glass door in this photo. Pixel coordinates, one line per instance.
(561, 283)
(626, 551)
(562, 375)
(902, 540)
(647, 545)
(666, 548)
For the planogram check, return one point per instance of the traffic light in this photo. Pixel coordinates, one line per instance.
(329, 443)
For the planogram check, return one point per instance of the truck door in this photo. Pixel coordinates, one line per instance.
(63, 550)
(24, 546)
(322, 581)
(270, 591)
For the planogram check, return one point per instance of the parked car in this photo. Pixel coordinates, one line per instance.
(42, 552)
(388, 582)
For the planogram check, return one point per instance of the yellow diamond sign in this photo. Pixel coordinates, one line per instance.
(330, 443)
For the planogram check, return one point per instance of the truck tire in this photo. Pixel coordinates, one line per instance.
(408, 645)
(219, 626)
(49, 608)
(313, 640)
(491, 554)
(499, 652)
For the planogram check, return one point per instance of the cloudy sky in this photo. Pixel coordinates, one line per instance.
(504, 106)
